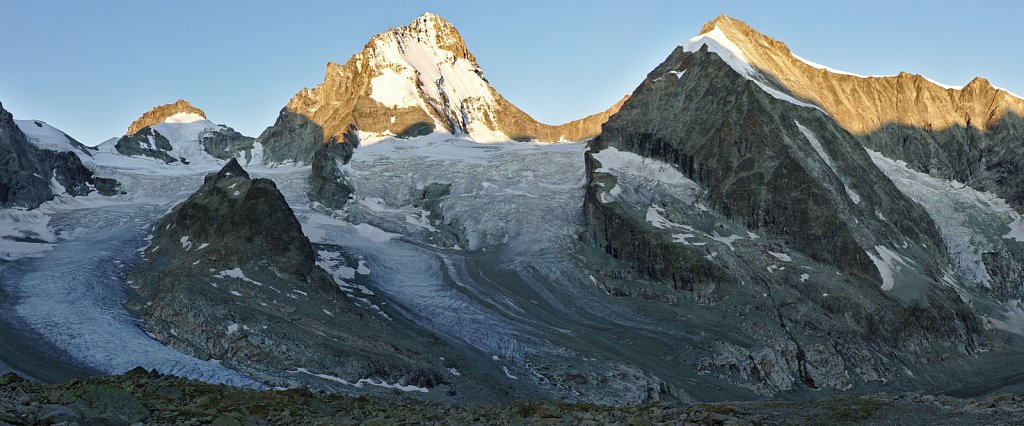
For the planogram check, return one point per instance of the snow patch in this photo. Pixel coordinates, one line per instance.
(362, 382)
(888, 263)
(236, 273)
(394, 90)
(184, 118)
(816, 144)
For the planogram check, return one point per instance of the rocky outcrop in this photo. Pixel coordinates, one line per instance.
(407, 82)
(160, 113)
(32, 176)
(148, 143)
(230, 276)
(225, 143)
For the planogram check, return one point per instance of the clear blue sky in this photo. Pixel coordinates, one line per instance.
(91, 67)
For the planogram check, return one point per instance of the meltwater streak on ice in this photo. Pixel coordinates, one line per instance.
(73, 296)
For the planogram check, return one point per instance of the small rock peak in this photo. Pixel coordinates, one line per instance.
(429, 21)
(726, 23)
(435, 30)
(232, 170)
(160, 113)
(979, 83)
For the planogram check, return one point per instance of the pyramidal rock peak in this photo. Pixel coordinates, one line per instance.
(409, 81)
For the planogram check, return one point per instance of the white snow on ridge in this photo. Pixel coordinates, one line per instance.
(942, 85)
(46, 136)
(832, 70)
(449, 83)
(717, 42)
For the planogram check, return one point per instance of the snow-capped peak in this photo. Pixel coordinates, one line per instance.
(426, 65)
(178, 112)
(719, 43)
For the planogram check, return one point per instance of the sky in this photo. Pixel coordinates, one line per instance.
(90, 68)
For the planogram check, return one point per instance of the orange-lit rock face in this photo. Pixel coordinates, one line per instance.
(865, 104)
(158, 114)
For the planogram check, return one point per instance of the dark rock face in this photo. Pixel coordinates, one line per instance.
(28, 172)
(146, 142)
(727, 134)
(226, 143)
(328, 183)
(222, 143)
(779, 178)
(232, 277)
(293, 137)
(987, 160)
(237, 215)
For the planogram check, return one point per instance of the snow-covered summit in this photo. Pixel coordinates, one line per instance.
(718, 42)
(178, 112)
(425, 65)
(45, 136)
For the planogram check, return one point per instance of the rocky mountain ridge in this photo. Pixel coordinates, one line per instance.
(969, 134)
(862, 104)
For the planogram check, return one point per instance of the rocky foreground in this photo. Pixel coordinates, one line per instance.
(141, 397)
